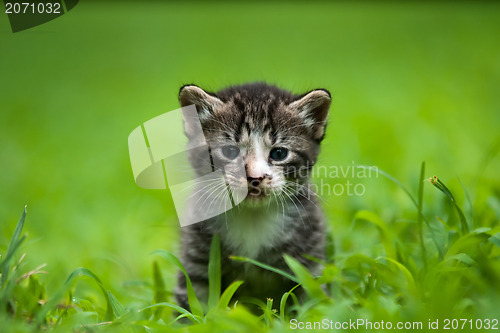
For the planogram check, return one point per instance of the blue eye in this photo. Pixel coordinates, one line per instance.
(231, 152)
(278, 154)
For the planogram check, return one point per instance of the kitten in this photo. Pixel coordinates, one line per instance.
(277, 135)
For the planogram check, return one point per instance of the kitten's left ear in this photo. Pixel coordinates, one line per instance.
(314, 107)
(206, 103)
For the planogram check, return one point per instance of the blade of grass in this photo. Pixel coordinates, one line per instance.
(419, 216)
(269, 312)
(15, 242)
(176, 319)
(311, 285)
(462, 257)
(194, 303)
(186, 313)
(7, 285)
(160, 292)
(442, 187)
(412, 288)
(76, 274)
(228, 294)
(252, 300)
(415, 203)
(469, 201)
(495, 239)
(469, 243)
(266, 267)
(117, 308)
(386, 236)
(283, 301)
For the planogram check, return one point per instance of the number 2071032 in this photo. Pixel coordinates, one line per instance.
(32, 8)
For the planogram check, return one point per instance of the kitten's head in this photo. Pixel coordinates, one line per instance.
(274, 133)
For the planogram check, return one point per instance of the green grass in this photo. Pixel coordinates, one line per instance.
(410, 82)
(409, 283)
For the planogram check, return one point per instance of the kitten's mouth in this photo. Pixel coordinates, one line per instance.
(255, 189)
(256, 192)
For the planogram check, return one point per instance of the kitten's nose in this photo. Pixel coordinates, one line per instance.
(256, 171)
(255, 182)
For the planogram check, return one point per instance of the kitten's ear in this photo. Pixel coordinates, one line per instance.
(205, 103)
(314, 107)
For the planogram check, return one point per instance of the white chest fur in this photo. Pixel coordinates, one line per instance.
(248, 231)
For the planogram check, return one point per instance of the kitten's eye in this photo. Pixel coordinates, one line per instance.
(278, 154)
(231, 152)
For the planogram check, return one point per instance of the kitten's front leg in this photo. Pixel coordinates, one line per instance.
(195, 256)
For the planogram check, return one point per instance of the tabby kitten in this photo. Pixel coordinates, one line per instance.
(277, 136)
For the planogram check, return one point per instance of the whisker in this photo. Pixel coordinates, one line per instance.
(214, 190)
(281, 199)
(197, 182)
(286, 191)
(222, 193)
(303, 188)
(202, 189)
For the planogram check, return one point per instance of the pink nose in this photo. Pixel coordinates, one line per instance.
(255, 172)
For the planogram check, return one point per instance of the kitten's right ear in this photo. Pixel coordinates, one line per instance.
(206, 103)
(314, 107)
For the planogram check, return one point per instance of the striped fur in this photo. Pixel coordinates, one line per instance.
(284, 218)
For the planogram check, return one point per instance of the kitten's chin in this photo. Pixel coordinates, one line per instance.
(258, 197)
(256, 201)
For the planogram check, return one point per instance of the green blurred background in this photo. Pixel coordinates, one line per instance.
(410, 82)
